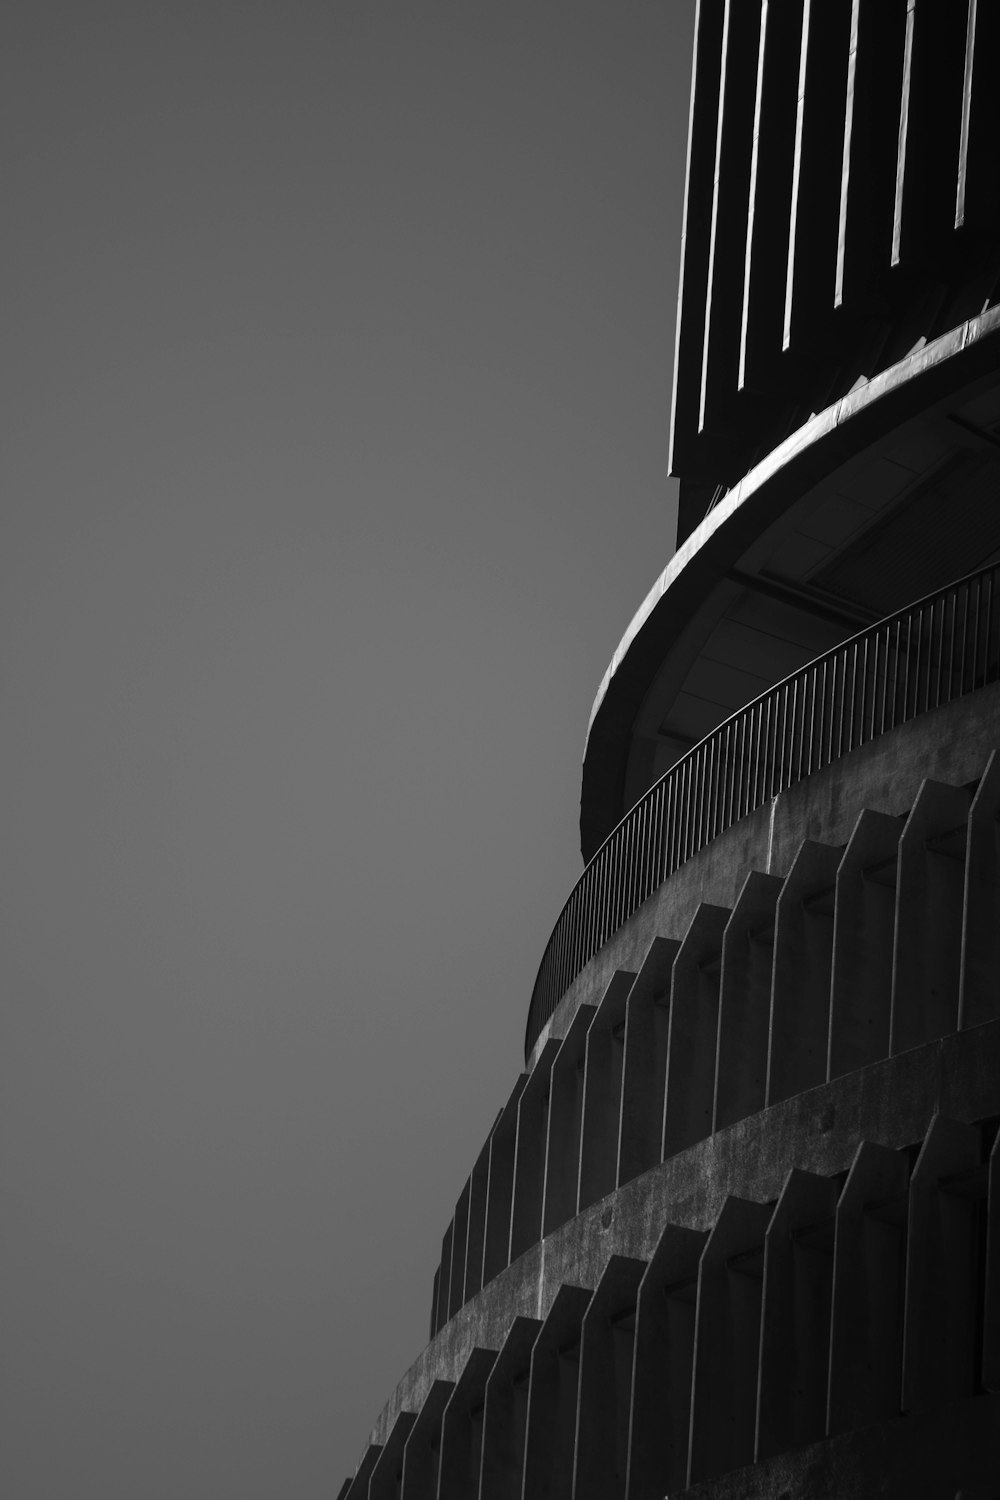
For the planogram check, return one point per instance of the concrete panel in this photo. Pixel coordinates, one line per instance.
(942, 1250)
(866, 1332)
(693, 1034)
(529, 1155)
(745, 1001)
(863, 934)
(929, 900)
(644, 1067)
(607, 1345)
(979, 997)
(727, 1341)
(387, 1472)
(803, 958)
(461, 1449)
(663, 1366)
(421, 1456)
(500, 1186)
(602, 1093)
(562, 1151)
(552, 1395)
(505, 1414)
(795, 1319)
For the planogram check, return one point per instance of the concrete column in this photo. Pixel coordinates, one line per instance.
(500, 1186)
(459, 1249)
(979, 998)
(929, 901)
(552, 1392)
(795, 1319)
(478, 1202)
(505, 1414)
(422, 1453)
(562, 1150)
(693, 1034)
(342, 1493)
(745, 1001)
(461, 1446)
(644, 1067)
(863, 926)
(663, 1366)
(602, 1093)
(727, 1341)
(604, 1398)
(529, 1154)
(866, 1322)
(803, 954)
(357, 1488)
(942, 1251)
(387, 1472)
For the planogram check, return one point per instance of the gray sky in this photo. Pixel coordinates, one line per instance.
(337, 355)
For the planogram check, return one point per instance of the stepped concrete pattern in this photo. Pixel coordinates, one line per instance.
(735, 1233)
(749, 1206)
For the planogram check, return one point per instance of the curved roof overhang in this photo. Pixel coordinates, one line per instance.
(793, 558)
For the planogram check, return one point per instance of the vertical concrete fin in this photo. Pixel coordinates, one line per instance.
(459, 1250)
(478, 1203)
(866, 1321)
(863, 927)
(529, 1153)
(387, 1472)
(816, 177)
(663, 1366)
(500, 1186)
(727, 1341)
(693, 1032)
(357, 1489)
(929, 900)
(444, 1281)
(607, 1345)
(979, 996)
(745, 1001)
(939, 1334)
(602, 1093)
(562, 1148)
(461, 1439)
(644, 1066)
(770, 193)
(803, 960)
(929, 150)
(795, 1317)
(730, 199)
(550, 1430)
(991, 1289)
(423, 1446)
(505, 1413)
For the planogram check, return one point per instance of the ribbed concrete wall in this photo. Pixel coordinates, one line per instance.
(749, 1200)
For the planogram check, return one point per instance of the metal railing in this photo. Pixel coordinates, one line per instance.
(931, 652)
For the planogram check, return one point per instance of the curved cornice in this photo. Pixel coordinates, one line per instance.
(930, 374)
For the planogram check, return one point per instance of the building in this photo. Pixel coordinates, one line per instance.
(736, 1230)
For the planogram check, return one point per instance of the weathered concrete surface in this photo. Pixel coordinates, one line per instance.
(898, 1460)
(950, 744)
(891, 1103)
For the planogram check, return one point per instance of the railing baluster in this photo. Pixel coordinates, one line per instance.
(934, 651)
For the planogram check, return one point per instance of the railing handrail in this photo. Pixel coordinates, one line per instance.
(701, 787)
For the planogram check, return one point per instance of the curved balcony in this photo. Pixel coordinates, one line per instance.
(930, 653)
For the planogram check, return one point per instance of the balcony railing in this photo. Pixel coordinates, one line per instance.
(928, 654)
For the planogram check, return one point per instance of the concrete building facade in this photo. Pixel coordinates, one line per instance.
(736, 1230)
